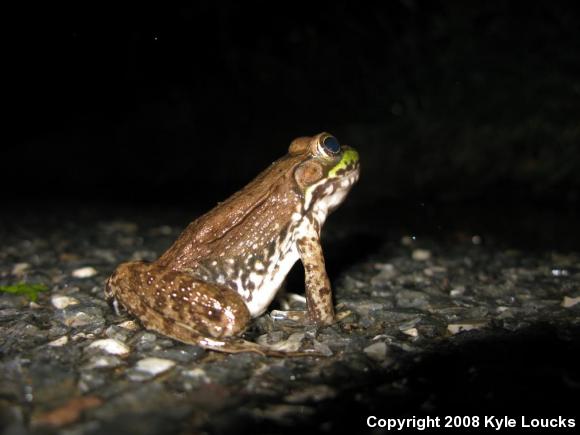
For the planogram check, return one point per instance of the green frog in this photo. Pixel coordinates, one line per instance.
(227, 265)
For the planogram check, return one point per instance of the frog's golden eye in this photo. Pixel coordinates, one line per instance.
(329, 146)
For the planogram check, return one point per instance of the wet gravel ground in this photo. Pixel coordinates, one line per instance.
(462, 325)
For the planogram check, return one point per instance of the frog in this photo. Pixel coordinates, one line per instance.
(227, 266)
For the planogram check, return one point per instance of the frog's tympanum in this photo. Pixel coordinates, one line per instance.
(228, 264)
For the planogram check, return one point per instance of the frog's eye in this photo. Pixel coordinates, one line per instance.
(329, 145)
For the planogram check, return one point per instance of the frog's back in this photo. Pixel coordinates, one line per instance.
(249, 220)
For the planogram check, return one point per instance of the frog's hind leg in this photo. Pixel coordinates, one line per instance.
(176, 304)
(186, 334)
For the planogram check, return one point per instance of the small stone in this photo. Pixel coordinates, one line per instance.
(82, 336)
(82, 316)
(19, 268)
(144, 341)
(412, 332)
(154, 366)
(376, 351)
(84, 272)
(411, 299)
(131, 325)
(118, 333)
(421, 254)
(387, 274)
(60, 302)
(455, 328)
(314, 393)
(111, 346)
(103, 362)
(182, 354)
(435, 270)
(291, 344)
(198, 374)
(568, 302)
(59, 341)
(476, 239)
(458, 291)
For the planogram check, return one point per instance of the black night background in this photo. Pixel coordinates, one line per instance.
(466, 118)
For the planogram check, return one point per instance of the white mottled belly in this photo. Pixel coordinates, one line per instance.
(269, 284)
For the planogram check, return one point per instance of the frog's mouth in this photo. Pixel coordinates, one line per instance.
(348, 163)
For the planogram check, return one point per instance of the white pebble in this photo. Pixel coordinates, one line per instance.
(60, 302)
(412, 332)
(457, 291)
(20, 268)
(421, 254)
(376, 351)
(455, 328)
(130, 325)
(84, 272)
(568, 302)
(59, 341)
(110, 345)
(154, 366)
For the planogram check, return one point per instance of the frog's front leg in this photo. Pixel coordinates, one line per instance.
(318, 292)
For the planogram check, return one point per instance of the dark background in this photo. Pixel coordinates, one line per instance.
(466, 116)
(448, 102)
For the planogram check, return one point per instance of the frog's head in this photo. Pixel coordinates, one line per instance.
(326, 172)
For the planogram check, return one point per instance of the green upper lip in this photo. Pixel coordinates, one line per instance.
(349, 158)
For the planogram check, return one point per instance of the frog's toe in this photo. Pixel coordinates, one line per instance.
(298, 316)
(341, 315)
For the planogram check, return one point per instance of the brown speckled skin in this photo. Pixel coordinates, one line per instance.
(200, 289)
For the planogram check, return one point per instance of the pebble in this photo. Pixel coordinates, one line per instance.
(84, 272)
(154, 366)
(131, 325)
(568, 302)
(83, 316)
(386, 273)
(376, 351)
(314, 393)
(291, 344)
(60, 302)
(103, 362)
(118, 333)
(111, 346)
(435, 270)
(19, 268)
(455, 328)
(59, 341)
(412, 332)
(411, 299)
(421, 254)
(198, 374)
(181, 354)
(457, 291)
